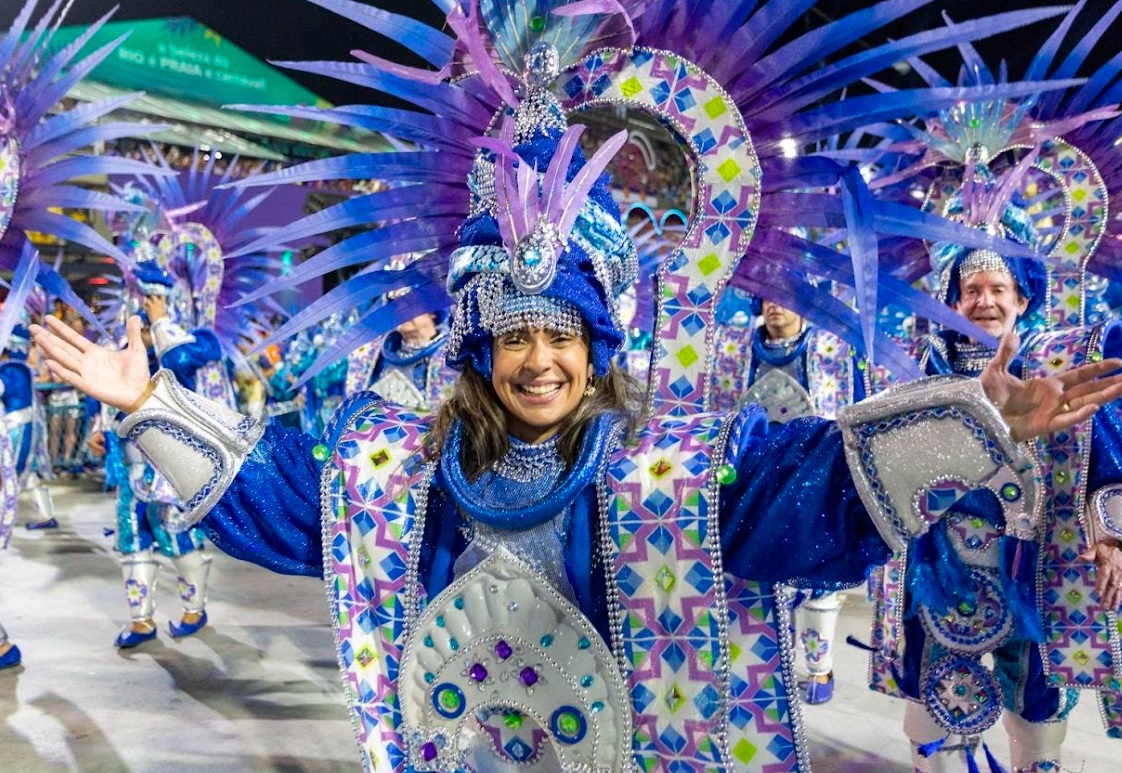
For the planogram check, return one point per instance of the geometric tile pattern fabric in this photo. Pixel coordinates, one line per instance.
(726, 173)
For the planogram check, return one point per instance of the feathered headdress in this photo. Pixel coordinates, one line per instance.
(1041, 167)
(36, 161)
(184, 231)
(738, 116)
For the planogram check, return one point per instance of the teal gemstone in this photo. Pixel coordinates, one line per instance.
(319, 452)
(429, 678)
(584, 643)
(428, 641)
(440, 621)
(458, 603)
(586, 680)
(596, 707)
(547, 640)
(453, 644)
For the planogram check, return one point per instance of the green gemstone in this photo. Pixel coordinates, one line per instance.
(1061, 476)
(513, 720)
(1096, 356)
(319, 452)
(862, 364)
(569, 725)
(1010, 492)
(449, 699)
(726, 474)
(537, 23)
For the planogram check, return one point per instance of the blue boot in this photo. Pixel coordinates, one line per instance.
(181, 629)
(819, 692)
(128, 638)
(11, 658)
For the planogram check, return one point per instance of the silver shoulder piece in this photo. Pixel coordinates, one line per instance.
(919, 447)
(781, 396)
(1104, 520)
(197, 444)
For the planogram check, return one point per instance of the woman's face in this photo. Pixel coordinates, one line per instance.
(540, 377)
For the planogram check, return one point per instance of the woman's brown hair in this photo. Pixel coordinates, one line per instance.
(486, 438)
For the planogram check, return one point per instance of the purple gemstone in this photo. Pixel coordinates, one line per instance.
(428, 752)
(528, 676)
(478, 672)
(503, 650)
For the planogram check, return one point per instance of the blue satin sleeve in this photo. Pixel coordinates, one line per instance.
(270, 515)
(1105, 467)
(792, 514)
(186, 359)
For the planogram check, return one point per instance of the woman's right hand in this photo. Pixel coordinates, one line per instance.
(117, 378)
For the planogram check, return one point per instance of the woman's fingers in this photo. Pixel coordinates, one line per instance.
(68, 334)
(53, 346)
(62, 373)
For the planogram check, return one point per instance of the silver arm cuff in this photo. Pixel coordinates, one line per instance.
(1104, 519)
(197, 444)
(919, 447)
(167, 335)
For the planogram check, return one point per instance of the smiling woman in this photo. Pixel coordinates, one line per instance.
(534, 579)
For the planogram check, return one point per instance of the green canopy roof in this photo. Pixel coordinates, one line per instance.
(182, 58)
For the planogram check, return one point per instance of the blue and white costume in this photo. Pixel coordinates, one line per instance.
(146, 502)
(810, 374)
(415, 377)
(25, 425)
(616, 610)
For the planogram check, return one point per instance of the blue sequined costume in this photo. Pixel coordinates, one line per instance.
(962, 567)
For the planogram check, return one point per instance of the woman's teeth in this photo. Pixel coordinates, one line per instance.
(539, 389)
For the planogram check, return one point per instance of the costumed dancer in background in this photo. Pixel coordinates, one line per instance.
(9, 653)
(1042, 171)
(792, 370)
(189, 284)
(145, 500)
(408, 366)
(38, 161)
(538, 578)
(26, 427)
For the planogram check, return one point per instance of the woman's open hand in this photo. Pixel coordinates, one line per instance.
(117, 378)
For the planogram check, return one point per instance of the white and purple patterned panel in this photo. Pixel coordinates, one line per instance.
(9, 180)
(201, 268)
(1085, 200)
(727, 192)
(1081, 638)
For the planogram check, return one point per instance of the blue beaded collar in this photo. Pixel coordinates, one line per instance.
(394, 353)
(528, 512)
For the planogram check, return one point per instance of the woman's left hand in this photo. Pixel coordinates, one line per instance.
(1038, 406)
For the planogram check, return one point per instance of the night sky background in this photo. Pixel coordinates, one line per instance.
(301, 30)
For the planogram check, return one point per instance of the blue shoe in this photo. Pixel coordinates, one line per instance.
(50, 523)
(179, 630)
(819, 692)
(128, 638)
(10, 658)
